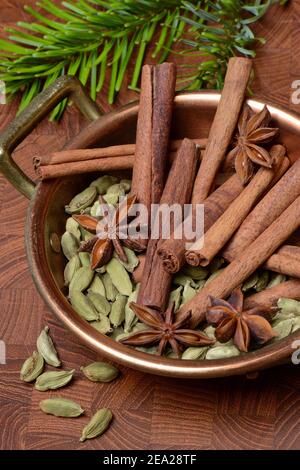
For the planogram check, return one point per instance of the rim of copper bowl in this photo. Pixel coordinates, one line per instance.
(265, 357)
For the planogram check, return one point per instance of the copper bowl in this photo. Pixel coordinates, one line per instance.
(193, 115)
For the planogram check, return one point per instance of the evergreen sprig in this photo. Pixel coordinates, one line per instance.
(88, 38)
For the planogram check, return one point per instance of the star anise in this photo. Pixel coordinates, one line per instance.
(232, 321)
(164, 330)
(109, 231)
(253, 132)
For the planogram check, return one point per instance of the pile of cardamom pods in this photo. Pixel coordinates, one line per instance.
(33, 370)
(102, 296)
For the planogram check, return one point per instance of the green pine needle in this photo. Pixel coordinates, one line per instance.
(93, 39)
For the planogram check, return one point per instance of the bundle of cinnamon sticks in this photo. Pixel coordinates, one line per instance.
(249, 219)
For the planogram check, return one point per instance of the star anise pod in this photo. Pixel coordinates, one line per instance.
(110, 232)
(232, 321)
(253, 132)
(164, 330)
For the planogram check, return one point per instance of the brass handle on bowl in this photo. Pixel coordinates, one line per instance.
(41, 105)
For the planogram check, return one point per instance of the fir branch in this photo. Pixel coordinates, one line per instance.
(88, 37)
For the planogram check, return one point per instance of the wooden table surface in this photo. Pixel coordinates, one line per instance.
(150, 412)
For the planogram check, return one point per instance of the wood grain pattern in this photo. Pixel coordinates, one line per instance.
(150, 412)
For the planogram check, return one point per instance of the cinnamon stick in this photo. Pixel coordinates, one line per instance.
(206, 248)
(45, 172)
(105, 163)
(156, 282)
(223, 126)
(172, 251)
(152, 136)
(79, 155)
(283, 193)
(285, 261)
(246, 263)
(269, 297)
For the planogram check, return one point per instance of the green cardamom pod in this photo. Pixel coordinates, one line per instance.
(95, 209)
(150, 350)
(175, 297)
(250, 282)
(139, 327)
(81, 279)
(117, 314)
(116, 189)
(275, 280)
(210, 331)
(181, 280)
(119, 276)
(100, 303)
(223, 351)
(130, 317)
(86, 211)
(101, 270)
(46, 348)
(262, 281)
(69, 245)
(200, 286)
(83, 306)
(97, 425)
(102, 325)
(283, 328)
(110, 290)
(81, 201)
(111, 199)
(61, 407)
(85, 235)
(188, 293)
(32, 367)
(196, 273)
(85, 258)
(100, 372)
(116, 332)
(51, 380)
(126, 185)
(133, 260)
(73, 227)
(296, 324)
(71, 267)
(103, 183)
(97, 286)
(289, 306)
(193, 354)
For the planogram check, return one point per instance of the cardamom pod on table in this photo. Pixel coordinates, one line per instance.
(100, 372)
(46, 348)
(97, 425)
(53, 379)
(32, 367)
(61, 407)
